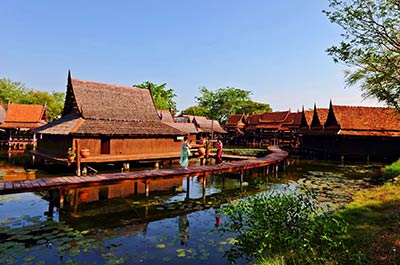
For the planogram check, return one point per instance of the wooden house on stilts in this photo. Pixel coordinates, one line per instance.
(115, 123)
(20, 122)
(352, 132)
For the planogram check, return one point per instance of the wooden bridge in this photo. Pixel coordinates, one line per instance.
(271, 161)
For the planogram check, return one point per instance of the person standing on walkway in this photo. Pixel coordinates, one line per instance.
(185, 153)
(219, 152)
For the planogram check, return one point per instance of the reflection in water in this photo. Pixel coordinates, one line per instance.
(183, 224)
(145, 229)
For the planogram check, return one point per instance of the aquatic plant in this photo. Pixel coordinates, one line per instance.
(284, 224)
(31, 240)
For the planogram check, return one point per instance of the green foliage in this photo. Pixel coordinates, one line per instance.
(196, 111)
(17, 93)
(370, 46)
(284, 224)
(54, 102)
(226, 101)
(11, 91)
(163, 97)
(392, 170)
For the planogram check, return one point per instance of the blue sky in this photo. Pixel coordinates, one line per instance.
(276, 49)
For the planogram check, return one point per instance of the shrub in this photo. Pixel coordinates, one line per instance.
(285, 224)
(392, 170)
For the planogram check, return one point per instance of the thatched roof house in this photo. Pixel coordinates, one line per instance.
(186, 127)
(109, 120)
(205, 125)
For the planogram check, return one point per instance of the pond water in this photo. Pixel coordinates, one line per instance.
(176, 224)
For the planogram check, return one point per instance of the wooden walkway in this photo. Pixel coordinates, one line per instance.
(274, 158)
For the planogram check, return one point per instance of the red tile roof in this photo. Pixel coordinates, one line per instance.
(367, 118)
(27, 116)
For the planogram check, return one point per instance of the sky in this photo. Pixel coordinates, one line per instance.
(275, 49)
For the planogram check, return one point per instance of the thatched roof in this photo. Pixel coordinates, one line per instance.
(208, 126)
(165, 116)
(93, 108)
(2, 114)
(26, 116)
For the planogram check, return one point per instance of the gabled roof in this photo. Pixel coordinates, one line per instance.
(27, 116)
(192, 118)
(165, 116)
(103, 109)
(208, 126)
(356, 120)
(236, 121)
(372, 119)
(275, 117)
(252, 122)
(187, 128)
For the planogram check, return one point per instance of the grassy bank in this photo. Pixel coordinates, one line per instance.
(374, 224)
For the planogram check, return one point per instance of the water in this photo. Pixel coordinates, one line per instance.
(117, 224)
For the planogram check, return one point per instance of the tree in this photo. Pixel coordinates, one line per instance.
(163, 97)
(196, 111)
(252, 107)
(11, 91)
(223, 102)
(54, 102)
(370, 46)
(226, 101)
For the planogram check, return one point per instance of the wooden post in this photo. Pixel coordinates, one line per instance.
(204, 187)
(62, 197)
(147, 188)
(78, 157)
(187, 187)
(76, 200)
(50, 211)
(241, 178)
(135, 188)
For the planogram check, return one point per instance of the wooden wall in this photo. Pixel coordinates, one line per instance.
(56, 145)
(127, 146)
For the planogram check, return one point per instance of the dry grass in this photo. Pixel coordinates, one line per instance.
(374, 218)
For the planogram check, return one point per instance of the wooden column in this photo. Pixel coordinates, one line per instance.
(187, 187)
(78, 157)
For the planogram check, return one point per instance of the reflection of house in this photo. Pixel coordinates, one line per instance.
(352, 131)
(117, 123)
(20, 121)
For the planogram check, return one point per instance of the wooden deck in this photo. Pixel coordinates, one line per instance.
(275, 157)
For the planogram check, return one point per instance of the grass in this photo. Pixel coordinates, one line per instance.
(374, 224)
(374, 227)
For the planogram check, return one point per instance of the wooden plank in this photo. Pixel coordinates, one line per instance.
(17, 185)
(9, 185)
(46, 183)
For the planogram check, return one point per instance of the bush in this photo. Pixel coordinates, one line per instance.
(392, 170)
(286, 224)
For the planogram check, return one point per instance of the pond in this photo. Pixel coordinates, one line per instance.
(176, 224)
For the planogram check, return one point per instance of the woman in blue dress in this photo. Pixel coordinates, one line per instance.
(185, 153)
